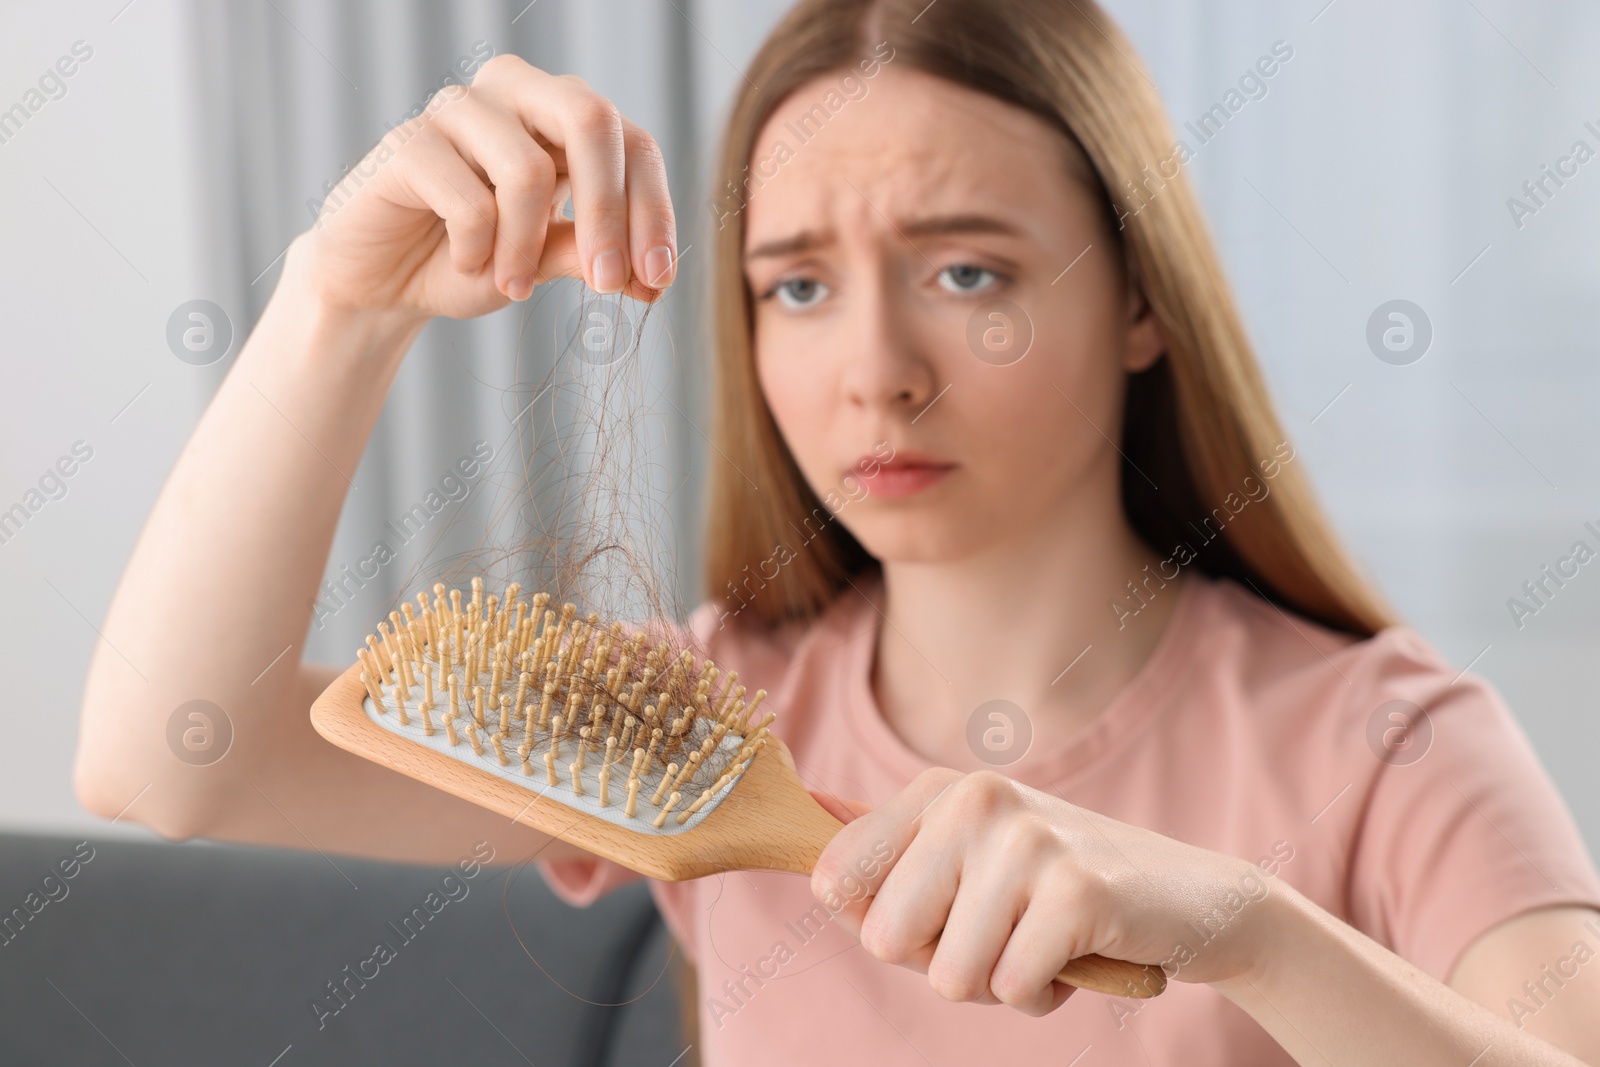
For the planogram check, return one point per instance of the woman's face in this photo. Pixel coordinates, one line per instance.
(933, 284)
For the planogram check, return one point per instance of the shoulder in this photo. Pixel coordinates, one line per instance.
(1349, 706)
(769, 657)
(1270, 649)
(728, 635)
(1431, 812)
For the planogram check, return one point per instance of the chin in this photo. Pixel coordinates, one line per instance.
(918, 537)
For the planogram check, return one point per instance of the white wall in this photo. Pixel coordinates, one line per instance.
(1391, 142)
(97, 247)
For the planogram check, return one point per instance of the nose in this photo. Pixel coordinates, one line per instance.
(886, 367)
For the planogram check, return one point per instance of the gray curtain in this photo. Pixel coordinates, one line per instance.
(294, 91)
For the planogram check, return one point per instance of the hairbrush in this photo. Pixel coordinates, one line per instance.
(620, 741)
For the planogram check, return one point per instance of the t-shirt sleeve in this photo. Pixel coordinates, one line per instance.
(585, 879)
(1463, 829)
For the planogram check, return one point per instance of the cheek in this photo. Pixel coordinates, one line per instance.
(1039, 431)
(1044, 416)
(1079, 371)
(1024, 429)
(796, 389)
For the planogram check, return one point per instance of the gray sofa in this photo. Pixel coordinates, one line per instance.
(158, 953)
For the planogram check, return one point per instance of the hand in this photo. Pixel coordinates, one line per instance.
(459, 210)
(988, 887)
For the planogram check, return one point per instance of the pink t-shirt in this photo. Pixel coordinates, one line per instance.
(1248, 731)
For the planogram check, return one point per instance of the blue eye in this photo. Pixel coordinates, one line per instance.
(966, 278)
(800, 293)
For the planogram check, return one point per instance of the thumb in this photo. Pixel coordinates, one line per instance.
(843, 810)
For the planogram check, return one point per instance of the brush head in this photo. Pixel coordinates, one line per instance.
(622, 741)
(618, 741)
(624, 726)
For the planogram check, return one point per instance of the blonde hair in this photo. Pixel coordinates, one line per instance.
(1197, 423)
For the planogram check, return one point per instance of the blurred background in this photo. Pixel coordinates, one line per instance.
(1384, 160)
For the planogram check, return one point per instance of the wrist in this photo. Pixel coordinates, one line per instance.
(373, 337)
(1276, 925)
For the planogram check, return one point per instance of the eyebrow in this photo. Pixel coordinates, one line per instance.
(934, 226)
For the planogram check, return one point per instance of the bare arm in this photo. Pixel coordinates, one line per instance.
(459, 214)
(1539, 970)
(1329, 994)
(920, 878)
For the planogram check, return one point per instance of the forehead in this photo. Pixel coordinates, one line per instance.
(855, 151)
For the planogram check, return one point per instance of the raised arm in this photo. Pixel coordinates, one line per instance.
(455, 213)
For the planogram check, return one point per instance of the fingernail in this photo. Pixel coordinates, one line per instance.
(660, 266)
(607, 271)
(520, 288)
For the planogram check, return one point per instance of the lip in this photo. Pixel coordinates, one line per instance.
(906, 475)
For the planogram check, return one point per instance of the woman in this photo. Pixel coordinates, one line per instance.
(1077, 696)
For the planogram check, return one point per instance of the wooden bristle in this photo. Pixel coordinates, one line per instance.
(605, 770)
(439, 609)
(666, 780)
(372, 676)
(650, 753)
(683, 816)
(672, 802)
(386, 641)
(528, 675)
(744, 721)
(379, 657)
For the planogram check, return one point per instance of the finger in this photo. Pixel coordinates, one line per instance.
(588, 128)
(844, 810)
(976, 930)
(559, 257)
(1050, 998)
(442, 182)
(524, 179)
(884, 833)
(652, 229)
(1041, 943)
(561, 203)
(913, 904)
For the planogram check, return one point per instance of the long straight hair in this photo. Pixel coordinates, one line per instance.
(1197, 424)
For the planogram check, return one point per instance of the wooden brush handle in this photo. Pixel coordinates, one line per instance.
(1116, 978)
